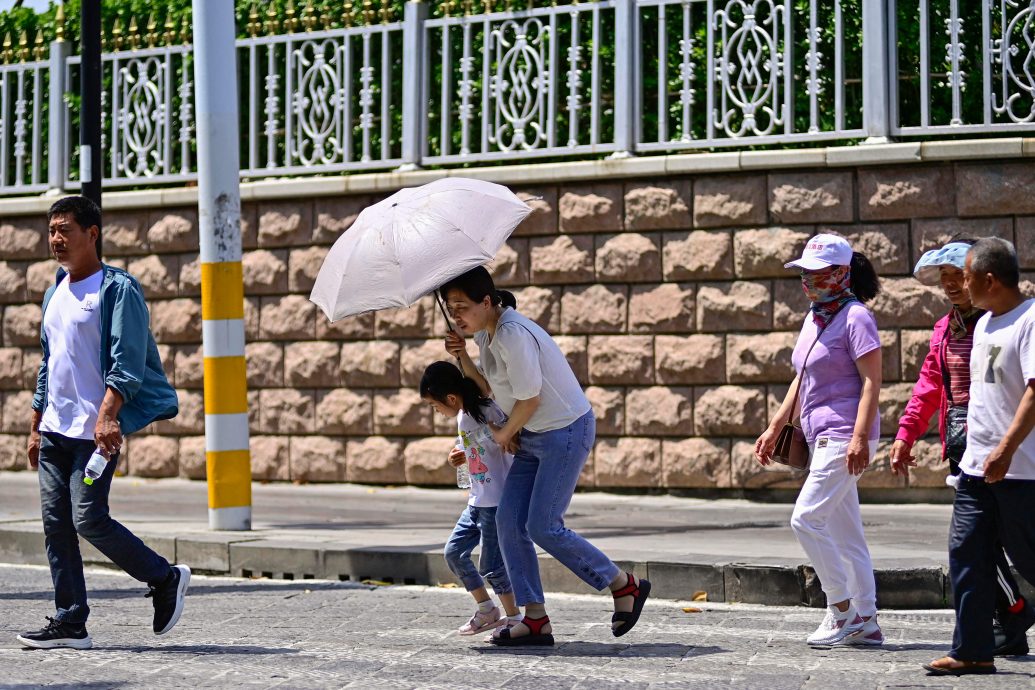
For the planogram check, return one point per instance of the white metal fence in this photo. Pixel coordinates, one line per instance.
(613, 77)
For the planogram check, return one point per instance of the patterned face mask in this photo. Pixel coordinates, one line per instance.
(828, 291)
(825, 286)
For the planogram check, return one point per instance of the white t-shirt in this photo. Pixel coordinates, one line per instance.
(486, 461)
(1001, 365)
(75, 383)
(523, 361)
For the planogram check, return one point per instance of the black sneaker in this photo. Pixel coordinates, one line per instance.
(57, 634)
(168, 599)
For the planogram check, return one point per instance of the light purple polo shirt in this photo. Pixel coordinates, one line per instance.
(831, 388)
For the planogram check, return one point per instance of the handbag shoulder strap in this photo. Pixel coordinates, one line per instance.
(805, 361)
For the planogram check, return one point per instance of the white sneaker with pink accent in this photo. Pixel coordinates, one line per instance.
(836, 626)
(870, 635)
(482, 621)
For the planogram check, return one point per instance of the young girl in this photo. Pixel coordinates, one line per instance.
(450, 393)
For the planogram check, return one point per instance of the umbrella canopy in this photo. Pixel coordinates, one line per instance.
(408, 245)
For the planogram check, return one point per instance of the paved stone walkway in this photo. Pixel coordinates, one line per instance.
(316, 634)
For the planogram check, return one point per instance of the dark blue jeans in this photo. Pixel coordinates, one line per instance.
(982, 516)
(72, 508)
(477, 525)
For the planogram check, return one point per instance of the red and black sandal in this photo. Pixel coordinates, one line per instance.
(535, 637)
(639, 591)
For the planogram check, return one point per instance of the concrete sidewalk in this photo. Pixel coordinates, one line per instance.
(734, 550)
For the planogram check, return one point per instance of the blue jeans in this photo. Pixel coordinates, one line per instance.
(477, 524)
(537, 493)
(70, 507)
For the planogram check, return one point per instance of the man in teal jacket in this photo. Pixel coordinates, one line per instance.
(100, 379)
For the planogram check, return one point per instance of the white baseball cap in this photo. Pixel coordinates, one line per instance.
(823, 251)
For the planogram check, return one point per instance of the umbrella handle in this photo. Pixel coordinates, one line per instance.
(449, 325)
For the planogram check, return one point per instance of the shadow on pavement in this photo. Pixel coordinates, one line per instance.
(199, 649)
(604, 649)
(197, 590)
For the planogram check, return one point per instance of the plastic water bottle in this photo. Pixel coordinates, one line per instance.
(463, 474)
(95, 467)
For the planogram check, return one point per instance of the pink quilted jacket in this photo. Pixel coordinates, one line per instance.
(928, 393)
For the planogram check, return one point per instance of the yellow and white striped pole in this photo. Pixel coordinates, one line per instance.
(222, 289)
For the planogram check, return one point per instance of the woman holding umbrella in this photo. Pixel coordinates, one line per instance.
(525, 371)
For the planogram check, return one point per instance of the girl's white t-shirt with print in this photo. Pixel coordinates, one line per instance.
(486, 461)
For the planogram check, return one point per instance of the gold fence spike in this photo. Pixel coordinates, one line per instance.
(152, 34)
(186, 35)
(487, 4)
(169, 35)
(116, 34)
(39, 50)
(59, 23)
(253, 26)
(346, 14)
(134, 33)
(386, 11)
(368, 12)
(272, 23)
(308, 16)
(6, 54)
(291, 23)
(23, 47)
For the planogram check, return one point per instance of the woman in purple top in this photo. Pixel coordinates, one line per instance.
(838, 363)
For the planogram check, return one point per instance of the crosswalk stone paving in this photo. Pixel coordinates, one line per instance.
(318, 634)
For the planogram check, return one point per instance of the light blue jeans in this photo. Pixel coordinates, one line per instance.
(477, 524)
(536, 496)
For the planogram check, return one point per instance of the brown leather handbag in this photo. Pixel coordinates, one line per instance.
(791, 447)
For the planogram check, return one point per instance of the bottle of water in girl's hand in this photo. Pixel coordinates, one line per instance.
(94, 468)
(463, 474)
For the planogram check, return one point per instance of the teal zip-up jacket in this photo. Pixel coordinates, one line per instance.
(129, 356)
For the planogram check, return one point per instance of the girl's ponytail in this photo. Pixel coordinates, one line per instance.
(865, 283)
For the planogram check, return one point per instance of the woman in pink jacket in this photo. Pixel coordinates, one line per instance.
(944, 386)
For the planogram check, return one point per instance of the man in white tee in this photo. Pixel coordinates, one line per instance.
(997, 481)
(101, 378)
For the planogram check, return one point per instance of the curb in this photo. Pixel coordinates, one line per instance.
(769, 581)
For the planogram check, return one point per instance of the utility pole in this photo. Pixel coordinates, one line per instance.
(90, 166)
(227, 457)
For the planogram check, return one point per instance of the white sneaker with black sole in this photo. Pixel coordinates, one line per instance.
(57, 634)
(168, 599)
(836, 626)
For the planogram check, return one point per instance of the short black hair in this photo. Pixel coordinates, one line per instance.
(996, 256)
(84, 210)
(476, 284)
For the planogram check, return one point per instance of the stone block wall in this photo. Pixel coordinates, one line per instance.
(668, 296)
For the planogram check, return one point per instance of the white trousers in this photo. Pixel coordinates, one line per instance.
(828, 525)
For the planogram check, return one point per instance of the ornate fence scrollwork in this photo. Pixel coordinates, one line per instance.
(1013, 97)
(749, 68)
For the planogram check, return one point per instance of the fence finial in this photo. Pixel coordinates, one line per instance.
(272, 23)
(39, 50)
(347, 19)
(152, 34)
(116, 34)
(134, 32)
(59, 23)
(368, 12)
(291, 23)
(487, 4)
(169, 35)
(23, 47)
(309, 16)
(186, 35)
(386, 11)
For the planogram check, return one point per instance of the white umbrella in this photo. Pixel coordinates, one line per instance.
(408, 245)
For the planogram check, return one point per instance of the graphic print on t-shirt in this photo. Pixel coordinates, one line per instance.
(993, 355)
(476, 467)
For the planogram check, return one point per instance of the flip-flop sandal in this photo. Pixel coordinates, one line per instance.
(488, 625)
(964, 670)
(534, 638)
(639, 591)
